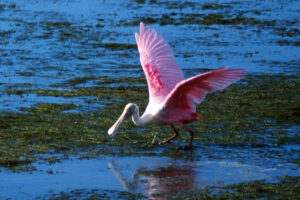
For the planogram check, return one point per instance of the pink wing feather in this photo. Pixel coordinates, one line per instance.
(179, 106)
(159, 65)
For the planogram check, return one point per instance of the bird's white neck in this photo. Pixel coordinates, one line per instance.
(140, 120)
(137, 120)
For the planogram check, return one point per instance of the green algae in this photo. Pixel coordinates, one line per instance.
(287, 188)
(269, 101)
(258, 112)
(45, 129)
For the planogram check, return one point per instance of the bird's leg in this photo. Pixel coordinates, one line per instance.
(172, 137)
(191, 136)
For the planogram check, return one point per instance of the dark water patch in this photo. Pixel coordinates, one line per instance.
(288, 42)
(25, 73)
(117, 46)
(201, 19)
(221, 19)
(297, 43)
(176, 5)
(215, 6)
(6, 33)
(58, 24)
(287, 32)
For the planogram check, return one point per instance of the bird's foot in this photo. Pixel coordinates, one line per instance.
(164, 142)
(154, 140)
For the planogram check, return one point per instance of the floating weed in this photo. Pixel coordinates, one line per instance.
(296, 43)
(287, 32)
(201, 19)
(58, 24)
(117, 46)
(26, 73)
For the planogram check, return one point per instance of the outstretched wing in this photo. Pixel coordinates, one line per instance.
(159, 65)
(192, 91)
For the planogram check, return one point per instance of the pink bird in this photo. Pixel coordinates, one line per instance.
(172, 98)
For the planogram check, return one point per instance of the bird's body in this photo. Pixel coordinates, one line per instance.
(172, 98)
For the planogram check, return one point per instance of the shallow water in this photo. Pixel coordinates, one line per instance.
(45, 45)
(145, 175)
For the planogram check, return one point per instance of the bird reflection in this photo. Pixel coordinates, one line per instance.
(166, 180)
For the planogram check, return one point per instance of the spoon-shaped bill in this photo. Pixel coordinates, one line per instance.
(114, 128)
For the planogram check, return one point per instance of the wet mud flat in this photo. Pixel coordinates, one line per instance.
(68, 68)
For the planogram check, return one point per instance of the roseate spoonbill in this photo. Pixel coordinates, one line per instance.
(172, 99)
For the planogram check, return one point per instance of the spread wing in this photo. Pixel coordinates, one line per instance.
(188, 93)
(159, 65)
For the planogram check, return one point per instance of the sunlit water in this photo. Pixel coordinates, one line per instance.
(37, 53)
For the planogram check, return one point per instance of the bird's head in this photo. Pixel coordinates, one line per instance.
(128, 111)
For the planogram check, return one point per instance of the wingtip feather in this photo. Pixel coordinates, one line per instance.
(142, 28)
